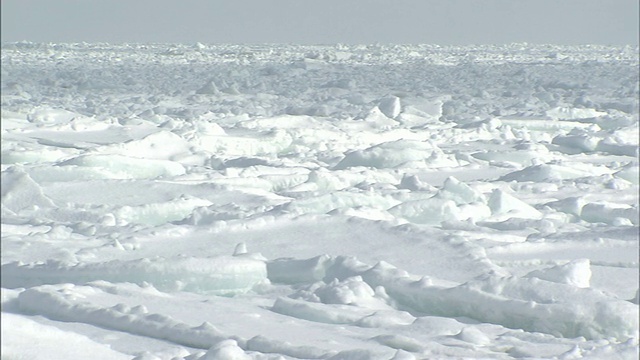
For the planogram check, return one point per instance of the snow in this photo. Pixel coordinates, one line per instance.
(319, 202)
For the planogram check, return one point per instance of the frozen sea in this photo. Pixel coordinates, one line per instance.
(198, 202)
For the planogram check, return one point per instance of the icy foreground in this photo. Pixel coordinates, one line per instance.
(328, 202)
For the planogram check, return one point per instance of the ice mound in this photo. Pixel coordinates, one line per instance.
(159, 213)
(124, 167)
(263, 344)
(339, 200)
(576, 273)
(217, 275)
(586, 140)
(226, 350)
(610, 213)
(521, 156)
(544, 125)
(17, 332)
(284, 122)
(544, 173)
(582, 142)
(473, 336)
(29, 156)
(413, 183)
(325, 302)
(161, 145)
(569, 113)
(563, 306)
(20, 192)
(350, 291)
(528, 304)
(405, 345)
(392, 155)
(323, 180)
(264, 143)
(318, 312)
(207, 127)
(48, 116)
(455, 201)
(63, 303)
(613, 147)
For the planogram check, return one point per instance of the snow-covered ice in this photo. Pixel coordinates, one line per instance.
(319, 202)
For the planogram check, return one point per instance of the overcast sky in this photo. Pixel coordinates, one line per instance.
(323, 21)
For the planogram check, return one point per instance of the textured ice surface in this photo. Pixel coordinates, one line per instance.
(380, 201)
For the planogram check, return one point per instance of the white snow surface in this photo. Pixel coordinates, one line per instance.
(192, 202)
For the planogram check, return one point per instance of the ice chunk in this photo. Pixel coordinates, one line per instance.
(502, 203)
(576, 273)
(241, 249)
(630, 173)
(413, 183)
(379, 119)
(584, 143)
(570, 205)
(428, 211)
(389, 155)
(459, 192)
(390, 106)
(209, 88)
(291, 271)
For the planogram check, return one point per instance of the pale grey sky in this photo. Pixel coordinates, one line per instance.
(321, 22)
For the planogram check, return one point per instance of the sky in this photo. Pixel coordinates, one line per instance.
(444, 22)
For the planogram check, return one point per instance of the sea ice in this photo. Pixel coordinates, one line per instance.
(380, 201)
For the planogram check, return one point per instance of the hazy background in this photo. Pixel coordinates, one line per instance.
(319, 22)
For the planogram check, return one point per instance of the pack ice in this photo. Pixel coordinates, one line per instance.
(319, 202)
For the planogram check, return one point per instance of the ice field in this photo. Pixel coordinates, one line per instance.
(346, 202)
